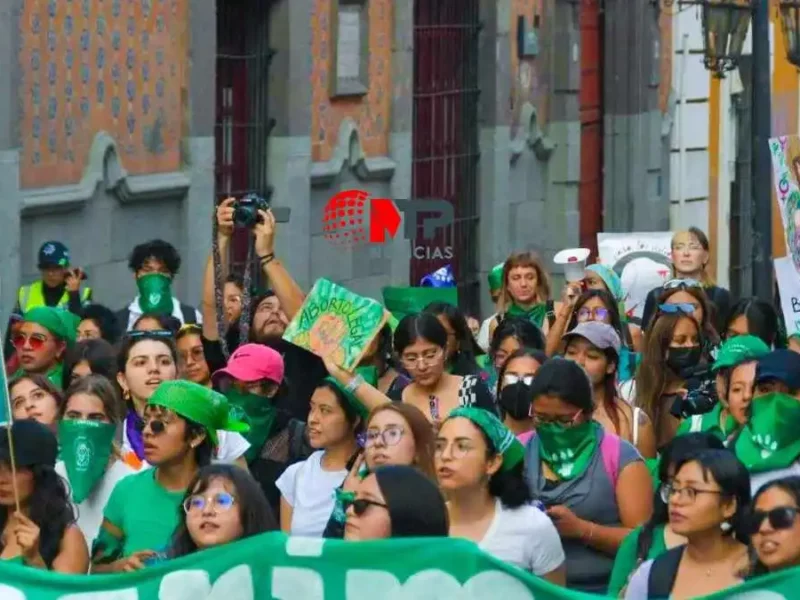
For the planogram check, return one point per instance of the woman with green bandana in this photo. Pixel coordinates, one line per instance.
(308, 488)
(735, 371)
(769, 445)
(526, 292)
(495, 278)
(595, 486)
(90, 461)
(479, 465)
(42, 339)
(656, 536)
(181, 421)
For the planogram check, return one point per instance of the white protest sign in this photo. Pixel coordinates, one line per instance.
(789, 288)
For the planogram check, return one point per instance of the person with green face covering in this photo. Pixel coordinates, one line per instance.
(89, 461)
(181, 421)
(769, 445)
(735, 373)
(594, 485)
(41, 341)
(154, 265)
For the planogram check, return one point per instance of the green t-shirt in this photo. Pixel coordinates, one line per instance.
(625, 562)
(146, 513)
(708, 423)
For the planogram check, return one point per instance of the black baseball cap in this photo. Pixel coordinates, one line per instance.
(780, 365)
(34, 444)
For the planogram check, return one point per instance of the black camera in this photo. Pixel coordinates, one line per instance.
(245, 210)
(701, 395)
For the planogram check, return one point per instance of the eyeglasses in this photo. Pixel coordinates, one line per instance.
(667, 491)
(564, 420)
(681, 284)
(222, 501)
(593, 314)
(36, 341)
(685, 308)
(782, 517)
(428, 358)
(158, 334)
(390, 436)
(458, 449)
(360, 505)
(512, 378)
(196, 354)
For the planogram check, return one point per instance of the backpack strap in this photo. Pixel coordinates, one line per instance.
(551, 312)
(609, 451)
(189, 316)
(663, 573)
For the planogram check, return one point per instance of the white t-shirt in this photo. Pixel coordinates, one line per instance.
(90, 511)
(483, 333)
(232, 446)
(310, 491)
(524, 537)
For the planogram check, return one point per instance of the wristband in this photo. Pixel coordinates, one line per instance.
(354, 383)
(267, 258)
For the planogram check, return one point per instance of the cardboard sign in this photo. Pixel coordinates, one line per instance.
(785, 152)
(335, 322)
(789, 287)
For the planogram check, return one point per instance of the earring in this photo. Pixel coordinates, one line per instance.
(725, 526)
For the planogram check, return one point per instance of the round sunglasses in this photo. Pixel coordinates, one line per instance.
(221, 501)
(36, 341)
(782, 517)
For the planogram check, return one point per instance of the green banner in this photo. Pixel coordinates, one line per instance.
(273, 566)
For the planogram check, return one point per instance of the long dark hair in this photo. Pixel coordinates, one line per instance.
(254, 510)
(100, 355)
(50, 508)
(423, 326)
(463, 361)
(790, 485)
(762, 320)
(523, 330)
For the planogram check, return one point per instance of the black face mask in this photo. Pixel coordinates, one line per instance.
(683, 360)
(515, 400)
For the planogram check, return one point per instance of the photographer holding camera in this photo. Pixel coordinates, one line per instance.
(267, 314)
(60, 285)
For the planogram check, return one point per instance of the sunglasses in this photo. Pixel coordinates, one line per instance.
(160, 334)
(511, 379)
(36, 341)
(685, 308)
(219, 501)
(681, 284)
(782, 517)
(360, 505)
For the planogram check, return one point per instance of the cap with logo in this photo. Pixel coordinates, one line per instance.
(53, 254)
(253, 362)
(738, 350)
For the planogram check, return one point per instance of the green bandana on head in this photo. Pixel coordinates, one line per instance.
(535, 314)
(496, 278)
(259, 412)
(568, 450)
(58, 322)
(155, 294)
(504, 441)
(85, 449)
(199, 404)
(738, 350)
(769, 441)
(404, 301)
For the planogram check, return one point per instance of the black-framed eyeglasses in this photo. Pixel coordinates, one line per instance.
(221, 501)
(782, 517)
(390, 436)
(157, 334)
(689, 494)
(360, 505)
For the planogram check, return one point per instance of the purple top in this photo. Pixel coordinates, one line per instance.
(133, 428)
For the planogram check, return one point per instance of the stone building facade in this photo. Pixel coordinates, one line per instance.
(542, 121)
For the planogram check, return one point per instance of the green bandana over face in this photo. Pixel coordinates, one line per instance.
(85, 449)
(535, 314)
(155, 294)
(568, 450)
(259, 412)
(769, 441)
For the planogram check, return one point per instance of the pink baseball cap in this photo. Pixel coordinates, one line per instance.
(253, 362)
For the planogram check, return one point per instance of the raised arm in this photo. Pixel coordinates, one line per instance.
(290, 294)
(224, 233)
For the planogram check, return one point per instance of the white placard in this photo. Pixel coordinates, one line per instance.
(642, 261)
(789, 288)
(348, 43)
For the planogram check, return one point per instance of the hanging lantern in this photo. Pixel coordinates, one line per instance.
(790, 22)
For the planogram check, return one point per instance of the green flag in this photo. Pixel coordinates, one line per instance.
(275, 566)
(402, 301)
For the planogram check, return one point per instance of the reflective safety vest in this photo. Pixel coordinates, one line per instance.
(32, 296)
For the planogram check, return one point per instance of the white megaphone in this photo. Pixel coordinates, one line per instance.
(574, 261)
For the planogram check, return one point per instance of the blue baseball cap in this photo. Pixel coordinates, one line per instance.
(780, 365)
(53, 254)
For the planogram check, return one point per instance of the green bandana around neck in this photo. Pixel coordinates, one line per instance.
(259, 412)
(769, 441)
(155, 294)
(568, 450)
(535, 314)
(710, 423)
(85, 449)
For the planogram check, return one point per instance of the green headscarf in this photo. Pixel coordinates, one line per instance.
(59, 322)
(199, 404)
(503, 440)
(534, 314)
(370, 375)
(769, 441)
(496, 278)
(155, 294)
(738, 350)
(403, 301)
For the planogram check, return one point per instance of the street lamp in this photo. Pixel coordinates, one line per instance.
(790, 21)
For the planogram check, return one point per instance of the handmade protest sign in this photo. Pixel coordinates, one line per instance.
(336, 322)
(785, 151)
(272, 566)
(789, 287)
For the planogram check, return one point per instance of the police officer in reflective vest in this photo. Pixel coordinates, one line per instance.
(59, 287)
